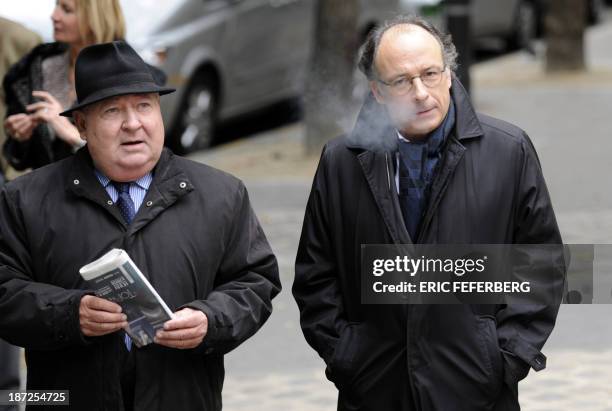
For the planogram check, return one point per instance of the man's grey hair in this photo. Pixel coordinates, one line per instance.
(370, 47)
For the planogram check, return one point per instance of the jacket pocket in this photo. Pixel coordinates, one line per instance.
(493, 359)
(490, 346)
(342, 365)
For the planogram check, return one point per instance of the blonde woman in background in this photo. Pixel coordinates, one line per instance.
(41, 84)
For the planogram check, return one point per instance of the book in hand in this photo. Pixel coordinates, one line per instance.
(115, 277)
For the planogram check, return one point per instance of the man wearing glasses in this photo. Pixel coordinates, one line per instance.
(420, 166)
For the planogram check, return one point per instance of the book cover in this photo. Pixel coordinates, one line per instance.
(115, 277)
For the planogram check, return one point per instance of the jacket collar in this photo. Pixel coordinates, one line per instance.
(32, 60)
(169, 184)
(374, 131)
(83, 167)
(467, 124)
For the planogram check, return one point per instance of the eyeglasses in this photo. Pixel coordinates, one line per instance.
(404, 84)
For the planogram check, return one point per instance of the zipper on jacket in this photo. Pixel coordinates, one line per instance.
(387, 167)
(408, 312)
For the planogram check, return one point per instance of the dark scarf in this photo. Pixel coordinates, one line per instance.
(418, 161)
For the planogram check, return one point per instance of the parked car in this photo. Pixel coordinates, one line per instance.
(230, 57)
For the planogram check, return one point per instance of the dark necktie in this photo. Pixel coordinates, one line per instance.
(128, 211)
(124, 201)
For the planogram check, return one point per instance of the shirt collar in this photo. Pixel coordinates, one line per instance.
(401, 138)
(143, 182)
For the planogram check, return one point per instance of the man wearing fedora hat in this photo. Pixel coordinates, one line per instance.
(190, 229)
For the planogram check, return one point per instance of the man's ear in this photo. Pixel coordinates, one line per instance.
(80, 123)
(376, 91)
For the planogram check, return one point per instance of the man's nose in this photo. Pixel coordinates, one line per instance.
(131, 120)
(420, 91)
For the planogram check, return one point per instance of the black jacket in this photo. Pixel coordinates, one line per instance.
(24, 77)
(488, 189)
(195, 237)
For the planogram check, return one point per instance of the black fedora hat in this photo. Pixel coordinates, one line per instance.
(108, 70)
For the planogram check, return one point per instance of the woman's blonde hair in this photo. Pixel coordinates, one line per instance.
(100, 21)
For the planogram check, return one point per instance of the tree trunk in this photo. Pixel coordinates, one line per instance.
(565, 25)
(328, 97)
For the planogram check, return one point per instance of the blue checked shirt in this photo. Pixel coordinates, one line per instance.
(138, 188)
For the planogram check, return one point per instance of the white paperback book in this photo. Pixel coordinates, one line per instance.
(115, 277)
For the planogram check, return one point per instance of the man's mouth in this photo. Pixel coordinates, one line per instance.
(425, 111)
(132, 143)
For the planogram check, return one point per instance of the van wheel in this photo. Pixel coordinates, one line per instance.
(197, 116)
